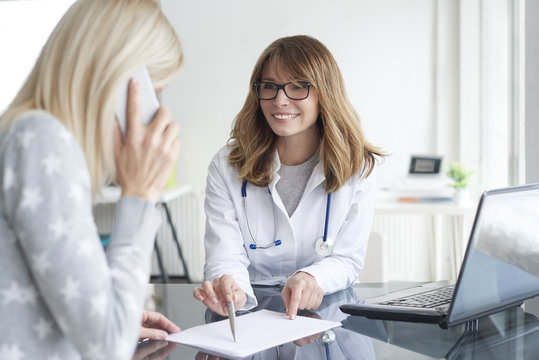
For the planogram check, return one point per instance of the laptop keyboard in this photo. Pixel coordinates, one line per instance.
(429, 299)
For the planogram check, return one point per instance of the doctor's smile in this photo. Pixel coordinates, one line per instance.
(284, 117)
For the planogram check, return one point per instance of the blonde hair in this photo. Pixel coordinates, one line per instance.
(343, 148)
(94, 48)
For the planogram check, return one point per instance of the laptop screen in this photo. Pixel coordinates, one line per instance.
(501, 266)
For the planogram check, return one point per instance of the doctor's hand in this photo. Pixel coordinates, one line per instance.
(216, 294)
(301, 292)
(146, 157)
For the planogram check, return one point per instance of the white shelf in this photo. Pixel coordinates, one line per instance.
(387, 203)
(388, 207)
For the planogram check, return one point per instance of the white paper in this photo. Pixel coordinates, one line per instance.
(254, 332)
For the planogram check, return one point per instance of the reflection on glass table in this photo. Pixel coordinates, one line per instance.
(512, 334)
(332, 344)
(506, 335)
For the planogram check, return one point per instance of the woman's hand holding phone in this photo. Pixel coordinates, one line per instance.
(146, 157)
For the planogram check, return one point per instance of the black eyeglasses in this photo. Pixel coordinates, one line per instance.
(297, 90)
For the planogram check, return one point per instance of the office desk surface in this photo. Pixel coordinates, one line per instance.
(512, 334)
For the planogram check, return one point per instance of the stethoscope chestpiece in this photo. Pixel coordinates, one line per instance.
(327, 337)
(324, 248)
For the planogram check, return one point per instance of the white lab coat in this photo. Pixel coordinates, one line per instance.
(227, 236)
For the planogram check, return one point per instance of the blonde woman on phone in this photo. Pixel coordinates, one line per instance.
(63, 296)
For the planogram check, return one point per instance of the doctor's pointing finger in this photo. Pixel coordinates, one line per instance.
(301, 292)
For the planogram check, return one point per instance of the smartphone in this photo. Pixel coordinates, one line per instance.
(148, 100)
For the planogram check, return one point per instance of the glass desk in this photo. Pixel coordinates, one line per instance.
(512, 334)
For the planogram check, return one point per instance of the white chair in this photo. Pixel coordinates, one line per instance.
(375, 267)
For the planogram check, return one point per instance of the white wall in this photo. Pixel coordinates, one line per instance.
(24, 29)
(532, 91)
(384, 49)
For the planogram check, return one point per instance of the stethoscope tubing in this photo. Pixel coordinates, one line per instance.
(326, 222)
(278, 242)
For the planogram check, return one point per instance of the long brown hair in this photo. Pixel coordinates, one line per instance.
(343, 148)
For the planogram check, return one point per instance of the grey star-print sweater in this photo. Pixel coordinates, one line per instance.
(61, 295)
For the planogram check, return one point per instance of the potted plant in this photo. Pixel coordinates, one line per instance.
(460, 176)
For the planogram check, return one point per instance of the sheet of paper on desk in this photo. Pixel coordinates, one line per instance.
(254, 332)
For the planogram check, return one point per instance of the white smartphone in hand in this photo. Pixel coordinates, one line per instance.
(148, 100)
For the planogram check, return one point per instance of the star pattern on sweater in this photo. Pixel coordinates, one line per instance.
(43, 328)
(25, 137)
(85, 248)
(59, 228)
(52, 164)
(11, 352)
(41, 263)
(31, 198)
(19, 294)
(76, 192)
(66, 137)
(71, 289)
(99, 304)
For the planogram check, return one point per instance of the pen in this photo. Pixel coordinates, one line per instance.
(232, 318)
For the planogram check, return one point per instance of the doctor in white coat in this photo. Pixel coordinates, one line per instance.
(289, 199)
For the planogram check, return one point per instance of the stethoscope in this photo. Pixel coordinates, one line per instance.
(323, 245)
(327, 338)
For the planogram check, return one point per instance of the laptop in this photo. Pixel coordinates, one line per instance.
(499, 271)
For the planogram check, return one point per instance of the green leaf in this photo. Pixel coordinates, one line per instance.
(459, 174)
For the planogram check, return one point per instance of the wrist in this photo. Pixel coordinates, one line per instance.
(305, 274)
(149, 196)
